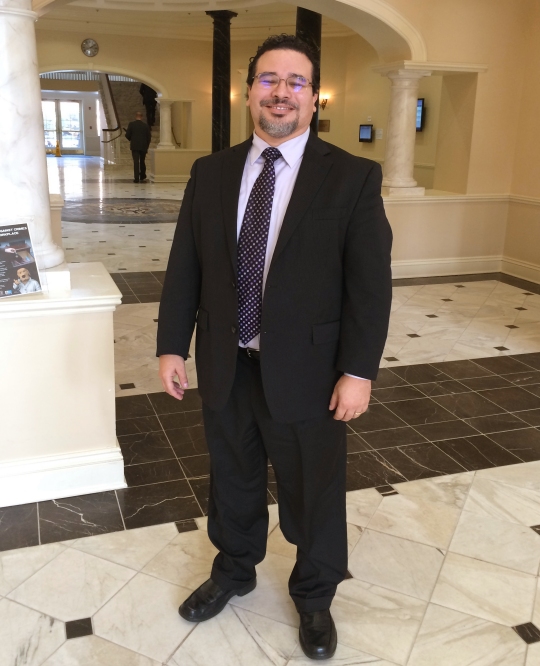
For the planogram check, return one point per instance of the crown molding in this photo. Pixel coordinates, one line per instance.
(433, 67)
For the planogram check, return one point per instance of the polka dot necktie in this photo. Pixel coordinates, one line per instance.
(252, 248)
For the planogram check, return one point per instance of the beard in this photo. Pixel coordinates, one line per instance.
(278, 129)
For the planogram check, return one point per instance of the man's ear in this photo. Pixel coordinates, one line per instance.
(247, 95)
(315, 98)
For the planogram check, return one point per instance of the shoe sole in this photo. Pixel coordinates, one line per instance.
(241, 593)
(317, 657)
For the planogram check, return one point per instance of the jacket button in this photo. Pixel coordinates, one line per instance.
(233, 329)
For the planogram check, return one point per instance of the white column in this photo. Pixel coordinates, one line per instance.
(165, 124)
(24, 189)
(401, 133)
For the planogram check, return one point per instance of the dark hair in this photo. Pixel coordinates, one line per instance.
(288, 43)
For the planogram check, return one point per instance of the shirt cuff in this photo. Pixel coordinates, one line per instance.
(355, 377)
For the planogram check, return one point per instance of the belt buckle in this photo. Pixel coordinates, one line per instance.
(252, 353)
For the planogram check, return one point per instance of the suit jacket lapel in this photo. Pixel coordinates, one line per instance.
(231, 178)
(315, 165)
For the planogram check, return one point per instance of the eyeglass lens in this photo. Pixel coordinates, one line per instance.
(295, 83)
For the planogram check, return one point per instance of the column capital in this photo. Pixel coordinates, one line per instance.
(404, 69)
(223, 15)
(165, 101)
(15, 11)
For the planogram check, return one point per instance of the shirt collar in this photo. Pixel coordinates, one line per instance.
(291, 150)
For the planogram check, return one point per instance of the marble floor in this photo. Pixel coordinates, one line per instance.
(443, 502)
(443, 572)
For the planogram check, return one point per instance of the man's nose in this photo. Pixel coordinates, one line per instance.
(282, 89)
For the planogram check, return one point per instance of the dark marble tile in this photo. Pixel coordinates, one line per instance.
(133, 276)
(186, 525)
(196, 466)
(481, 383)
(132, 406)
(378, 417)
(201, 488)
(355, 444)
(145, 447)
(270, 498)
(387, 491)
(442, 388)
(524, 378)
(158, 503)
(477, 452)
(421, 461)
(513, 398)
(137, 425)
(424, 410)
(153, 472)
(396, 393)
(159, 275)
(528, 632)
(387, 379)
(181, 420)
(532, 417)
(436, 432)
(154, 297)
(467, 405)
(523, 443)
(420, 374)
(496, 423)
(75, 517)
(163, 403)
(370, 469)
(79, 628)
(129, 299)
(461, 369)
(19, 526)
(501, 365)
(382, 439)
(532, 360)
(188, 441)
(534, 389)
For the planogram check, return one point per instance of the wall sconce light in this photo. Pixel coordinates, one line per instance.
(323, 102)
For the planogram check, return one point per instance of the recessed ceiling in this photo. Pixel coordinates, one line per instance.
(253, 22)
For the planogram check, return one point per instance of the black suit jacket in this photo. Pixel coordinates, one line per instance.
(138, 134)
(327, 298)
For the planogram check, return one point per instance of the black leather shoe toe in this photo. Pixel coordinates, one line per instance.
(318, 635)
(210, 599)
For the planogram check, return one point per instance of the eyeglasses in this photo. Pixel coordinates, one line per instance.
(270, 81)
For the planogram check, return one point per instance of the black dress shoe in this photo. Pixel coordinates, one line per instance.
(210, 599)
(318, 635)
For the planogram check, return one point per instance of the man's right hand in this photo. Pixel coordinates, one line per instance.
(171, 366)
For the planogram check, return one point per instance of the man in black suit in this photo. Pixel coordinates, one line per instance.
(282, 257)
(139, 136)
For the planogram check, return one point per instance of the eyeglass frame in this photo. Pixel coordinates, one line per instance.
(308, 83)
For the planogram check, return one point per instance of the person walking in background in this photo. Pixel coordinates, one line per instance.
(282, 257)
(149, 101)
(139, 136)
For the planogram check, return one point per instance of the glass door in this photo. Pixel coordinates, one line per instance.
(62, 123)
(49, 124)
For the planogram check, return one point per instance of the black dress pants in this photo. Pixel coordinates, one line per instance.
(309, 460)
(139, 166)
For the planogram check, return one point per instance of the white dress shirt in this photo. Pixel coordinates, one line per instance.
(286, 169)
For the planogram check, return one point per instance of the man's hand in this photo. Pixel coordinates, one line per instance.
(350, 398)
(171, 366)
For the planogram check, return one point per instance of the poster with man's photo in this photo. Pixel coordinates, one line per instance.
(18, 270)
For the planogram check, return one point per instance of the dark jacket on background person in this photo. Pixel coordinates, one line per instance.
(139, 136)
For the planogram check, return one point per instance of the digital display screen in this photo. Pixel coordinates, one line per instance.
(366, 133)
(420, 108)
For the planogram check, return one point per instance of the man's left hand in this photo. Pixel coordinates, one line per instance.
(350, 398)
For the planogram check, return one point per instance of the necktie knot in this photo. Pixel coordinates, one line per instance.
(271, 154)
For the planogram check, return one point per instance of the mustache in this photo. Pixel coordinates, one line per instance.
(279, 100)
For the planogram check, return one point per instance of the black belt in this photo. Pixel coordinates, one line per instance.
(253, 354)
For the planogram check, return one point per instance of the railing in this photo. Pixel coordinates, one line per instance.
(111, 148)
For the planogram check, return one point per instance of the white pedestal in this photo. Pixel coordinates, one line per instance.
(57, 425)
(403, 191)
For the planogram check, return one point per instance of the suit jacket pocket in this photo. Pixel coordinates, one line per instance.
(328, 332)
(202, 319)
(328, 213)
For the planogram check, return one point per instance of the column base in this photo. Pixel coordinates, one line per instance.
(165, 146)
(403, 191)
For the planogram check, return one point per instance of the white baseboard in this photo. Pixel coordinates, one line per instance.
(66, 475)
(521, 269)
(447, 266)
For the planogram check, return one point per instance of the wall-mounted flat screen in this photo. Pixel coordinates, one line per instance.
(366, 133)
(420, 114)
